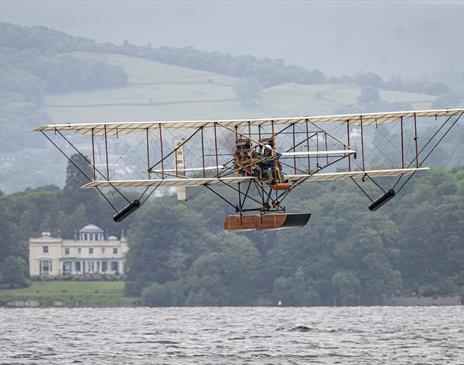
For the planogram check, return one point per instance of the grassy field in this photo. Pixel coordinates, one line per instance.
(72, 293)
(165, 92)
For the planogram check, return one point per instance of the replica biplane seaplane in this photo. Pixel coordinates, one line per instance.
(261, 160)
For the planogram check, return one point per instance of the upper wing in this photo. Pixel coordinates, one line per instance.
(117, 128)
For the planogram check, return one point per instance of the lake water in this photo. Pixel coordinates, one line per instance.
(362, 335)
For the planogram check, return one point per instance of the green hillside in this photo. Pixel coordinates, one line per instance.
(167, 92)
(50, 76)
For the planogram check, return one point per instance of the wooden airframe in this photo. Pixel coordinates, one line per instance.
(285, 151)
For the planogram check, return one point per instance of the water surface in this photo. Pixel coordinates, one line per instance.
(361, 335)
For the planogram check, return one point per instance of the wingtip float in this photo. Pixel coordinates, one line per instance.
(384, 199)
(128, 210)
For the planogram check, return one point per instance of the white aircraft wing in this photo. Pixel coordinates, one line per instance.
(121, 128)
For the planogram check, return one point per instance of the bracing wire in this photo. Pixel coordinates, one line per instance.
(80, 170)
(88, 161)
(433, 148)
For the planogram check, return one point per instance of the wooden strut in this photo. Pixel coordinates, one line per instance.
(250, 150)
(202, 152)
(317, 150)
(273, 147)
(240, 202)
(148, 157)
(176, 168)
(402, 143)
(216, 149)
(348, 142)
(93, 155)
(161, 149)
(416, 141)
(294, 142)
(106, 152)
(307, 146)
(362, 143)
(326, 147)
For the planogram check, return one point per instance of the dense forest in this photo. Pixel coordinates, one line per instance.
(346, 255)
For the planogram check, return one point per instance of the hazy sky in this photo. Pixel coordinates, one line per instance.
(396, 37)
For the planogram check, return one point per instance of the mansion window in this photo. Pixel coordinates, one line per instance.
(78, 266)
(66, 251)
(45, 249)
(79, 250)
(103, 250)
(115, 250)
(114, 266)
(45, 267)
(104, 266)
(91, 251)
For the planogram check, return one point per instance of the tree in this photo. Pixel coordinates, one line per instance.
(171, 293)
(77, 176)
(379, 279)
(13, 272)
(8, 232)
(73, 194)
(227, 276)
(295, 290)
(164, 240)
(368, 79)
(68, 224)
(347, 288)
(369, 95)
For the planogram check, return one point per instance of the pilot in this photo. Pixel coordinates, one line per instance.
(268, 163)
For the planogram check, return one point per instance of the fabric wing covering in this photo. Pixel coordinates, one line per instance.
(121, 128)
(232, 180)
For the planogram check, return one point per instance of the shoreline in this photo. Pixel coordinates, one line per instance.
(110, 294)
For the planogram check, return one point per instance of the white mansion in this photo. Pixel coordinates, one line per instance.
(88, 254)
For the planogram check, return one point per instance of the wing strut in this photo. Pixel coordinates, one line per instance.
(431, 150)
(120, 214)
(391, 193)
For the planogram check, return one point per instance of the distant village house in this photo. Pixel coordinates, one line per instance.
(89, 254)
